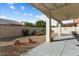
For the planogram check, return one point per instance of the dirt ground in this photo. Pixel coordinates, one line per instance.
(8, 48)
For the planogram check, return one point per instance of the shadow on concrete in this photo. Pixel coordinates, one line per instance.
(63, 39)
(75, 37)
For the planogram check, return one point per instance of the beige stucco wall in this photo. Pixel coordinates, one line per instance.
(10, 31)
(14, 31)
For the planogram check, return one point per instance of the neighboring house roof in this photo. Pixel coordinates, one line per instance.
(8, 22)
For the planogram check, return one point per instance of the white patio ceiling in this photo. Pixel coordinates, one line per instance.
(59, 11)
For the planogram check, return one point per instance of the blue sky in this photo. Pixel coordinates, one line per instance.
(20, 12)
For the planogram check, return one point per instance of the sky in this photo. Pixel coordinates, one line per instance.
(22, 12)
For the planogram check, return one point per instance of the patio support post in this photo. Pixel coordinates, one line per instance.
(77, 28)
(48, 29)
(59, 28)
(76, 24)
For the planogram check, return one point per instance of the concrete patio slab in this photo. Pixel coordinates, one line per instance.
(71, 49)
(47, 49)
(58, 48)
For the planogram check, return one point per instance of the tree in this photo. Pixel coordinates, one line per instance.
(40, 23)
(29, 24)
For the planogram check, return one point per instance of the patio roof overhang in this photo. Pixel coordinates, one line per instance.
(59, 11)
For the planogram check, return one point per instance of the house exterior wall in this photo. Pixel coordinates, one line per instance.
(66, 30)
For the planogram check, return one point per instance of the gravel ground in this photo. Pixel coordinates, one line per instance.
(8, 49)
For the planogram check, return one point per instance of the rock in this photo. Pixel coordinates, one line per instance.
(17, 42)
(30, 40)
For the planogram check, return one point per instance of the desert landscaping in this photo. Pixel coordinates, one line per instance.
(20, 45)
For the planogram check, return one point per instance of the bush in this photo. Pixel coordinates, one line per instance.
(40, 23)
(29, 24)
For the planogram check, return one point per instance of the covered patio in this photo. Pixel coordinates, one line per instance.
(58, 12)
